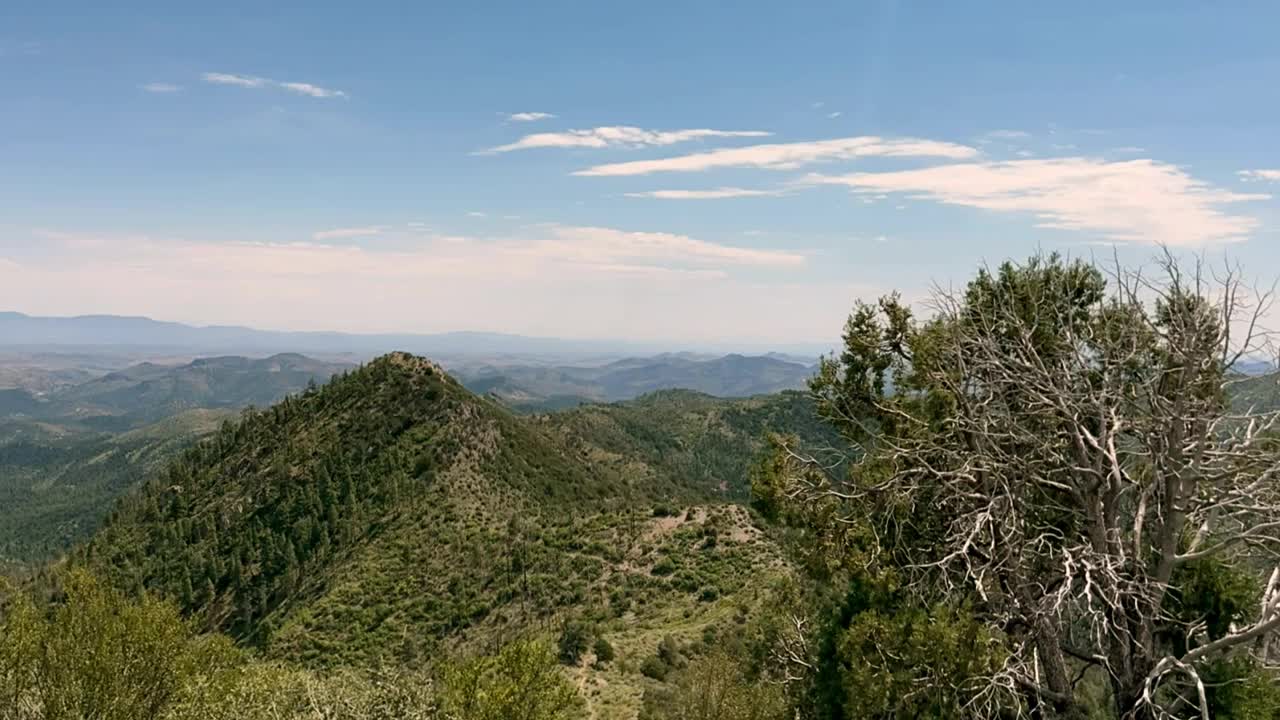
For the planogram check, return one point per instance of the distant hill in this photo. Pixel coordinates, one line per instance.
(533, 387)
(146, 393)
(1256, 393)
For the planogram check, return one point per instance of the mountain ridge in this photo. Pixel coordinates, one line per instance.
(20, 329)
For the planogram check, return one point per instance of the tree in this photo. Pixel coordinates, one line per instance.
(1059, 452)
(522, 682)
(714, 687)
(96, 655)
(575, 638)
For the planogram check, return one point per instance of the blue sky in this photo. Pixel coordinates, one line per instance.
(682, 172)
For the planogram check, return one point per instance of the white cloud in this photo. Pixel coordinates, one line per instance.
(252, 81)
(529, 116)
(245, 81)
(310, 90)
(1008, 135)
(616, 136)
(1128, 150)
(161, 87)
(347, 233)
(716, 194)
(604, 245)
(786, 156)
(655, 285)
(476, 214)
(1137, 201)
(1260, 175)
(834, 115)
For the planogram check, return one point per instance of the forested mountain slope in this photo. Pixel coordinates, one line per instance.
(55, 487)
(392, 513)
(704, 441)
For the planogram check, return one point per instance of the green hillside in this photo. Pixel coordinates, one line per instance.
(56, 485)
(394, 517)
(700, 441)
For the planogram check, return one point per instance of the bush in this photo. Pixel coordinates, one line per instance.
(575, 638)
(664, 567)
(521, 681)
(654, 668)
(604, 651)
(669, 653)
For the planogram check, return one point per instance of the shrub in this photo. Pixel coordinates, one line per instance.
(575, 638)
(604, 651)
(654, 668)
(664, 567)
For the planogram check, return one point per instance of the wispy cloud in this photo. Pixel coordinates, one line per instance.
(605, 245)
(1137, 201)
(1008, 135)
(310, 90)
(834, 115)
(476, 214)
(716, 194)
(1127, 150)
(161, 87)
(617, 136)
(348, 233)
(245, 81)
(254, 82)
(529, 116)
(787, 156)
(1260, 175)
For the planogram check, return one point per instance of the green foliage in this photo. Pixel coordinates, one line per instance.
(654, 668)
(603, 650)
(521, 682)
(716, 687)
(1239, 690)
(1215, 593)
(98, 655)
(575, 638)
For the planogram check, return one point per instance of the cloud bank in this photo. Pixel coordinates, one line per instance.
(1136, 201)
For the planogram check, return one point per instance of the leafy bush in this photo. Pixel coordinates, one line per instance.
(654, 668)
(575, 638)
(521, 682)
(604, 651)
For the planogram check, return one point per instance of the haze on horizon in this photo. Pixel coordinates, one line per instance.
(566, 171)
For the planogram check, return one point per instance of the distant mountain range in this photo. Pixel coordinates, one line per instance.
(539, 387)
(19, 330)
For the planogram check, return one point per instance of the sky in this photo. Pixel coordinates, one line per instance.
(679, 172)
